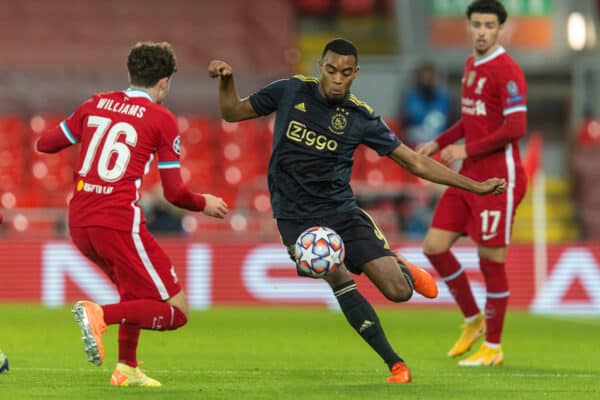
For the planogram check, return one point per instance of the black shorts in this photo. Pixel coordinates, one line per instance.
(363, 239)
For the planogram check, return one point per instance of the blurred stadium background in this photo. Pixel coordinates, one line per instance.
(57, 53)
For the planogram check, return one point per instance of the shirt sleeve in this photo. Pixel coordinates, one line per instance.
(169, 146)
(68, 132)
(73, 126)
(513, 128)
(267, 99)
(513, 91)
(451, 135)
(379, 136)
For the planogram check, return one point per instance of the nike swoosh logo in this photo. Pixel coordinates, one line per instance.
(488, 237)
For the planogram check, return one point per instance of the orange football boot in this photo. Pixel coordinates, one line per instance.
(399, 373)
(91, 322)
(424, 283)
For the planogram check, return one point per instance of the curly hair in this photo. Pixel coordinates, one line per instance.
(488, 7)
(149, 62)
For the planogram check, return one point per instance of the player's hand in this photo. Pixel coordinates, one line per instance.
(215, 206)
(428, 149)
(453, 152)
(218, 68)
(493, 185)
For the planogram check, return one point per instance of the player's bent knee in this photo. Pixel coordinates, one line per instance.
(179, 318)
(398, 293)
(431, 247)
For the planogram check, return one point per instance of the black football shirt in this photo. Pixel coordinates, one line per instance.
(313, 146)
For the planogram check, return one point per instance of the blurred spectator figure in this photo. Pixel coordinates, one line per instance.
(585, 175)
(162, 218)
(425, 109)
(424, 115)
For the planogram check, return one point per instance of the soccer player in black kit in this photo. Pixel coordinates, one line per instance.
(318, 126)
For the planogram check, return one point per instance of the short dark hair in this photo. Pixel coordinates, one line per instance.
(341, 46)
(488, 7)
(149, 62)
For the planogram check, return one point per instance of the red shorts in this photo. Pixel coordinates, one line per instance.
(133, 261)
(486, 219)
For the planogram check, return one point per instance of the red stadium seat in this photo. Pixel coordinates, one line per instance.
(198, 140)
(238, 132)
(51, 174)
(197, 134)
(11, 152)
(378, 171)
(264, 142)
(240, 156)
(314, 7)
(357, 7)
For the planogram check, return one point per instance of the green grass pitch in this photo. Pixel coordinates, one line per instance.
(300, 353)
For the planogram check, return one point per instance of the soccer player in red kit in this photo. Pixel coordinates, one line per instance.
(120, 132)
(492, 121)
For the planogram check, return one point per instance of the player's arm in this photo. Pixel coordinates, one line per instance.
(513, 128)
(427, 168)
(177, 194)
(451, 135)
(232, 108)
(55, 139)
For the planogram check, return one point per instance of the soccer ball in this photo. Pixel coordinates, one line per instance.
(318, 251)
(3, 362)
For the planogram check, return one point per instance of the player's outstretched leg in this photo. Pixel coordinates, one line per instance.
(472, 329)
(424, 283)
(362, 317)
(124, 375)
(488, 355)
(90, 318)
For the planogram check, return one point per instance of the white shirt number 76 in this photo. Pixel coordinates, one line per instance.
(111, 146)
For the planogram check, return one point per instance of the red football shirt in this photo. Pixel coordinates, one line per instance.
(493, 87)
(119, 132)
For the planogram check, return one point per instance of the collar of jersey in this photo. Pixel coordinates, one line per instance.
(131, 92)
(499, 51)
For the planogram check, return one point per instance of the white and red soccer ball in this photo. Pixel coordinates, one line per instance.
(318, 251)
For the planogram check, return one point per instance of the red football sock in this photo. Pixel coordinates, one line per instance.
(128, 341)
(455, 278)
(144, 314)
(496, 284)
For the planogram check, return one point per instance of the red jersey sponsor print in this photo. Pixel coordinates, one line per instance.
(493, 87)
(120, 132)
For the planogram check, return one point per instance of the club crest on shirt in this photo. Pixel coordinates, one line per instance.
(338, 121)
(480, 85)
(177, 145)
(471, 78)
